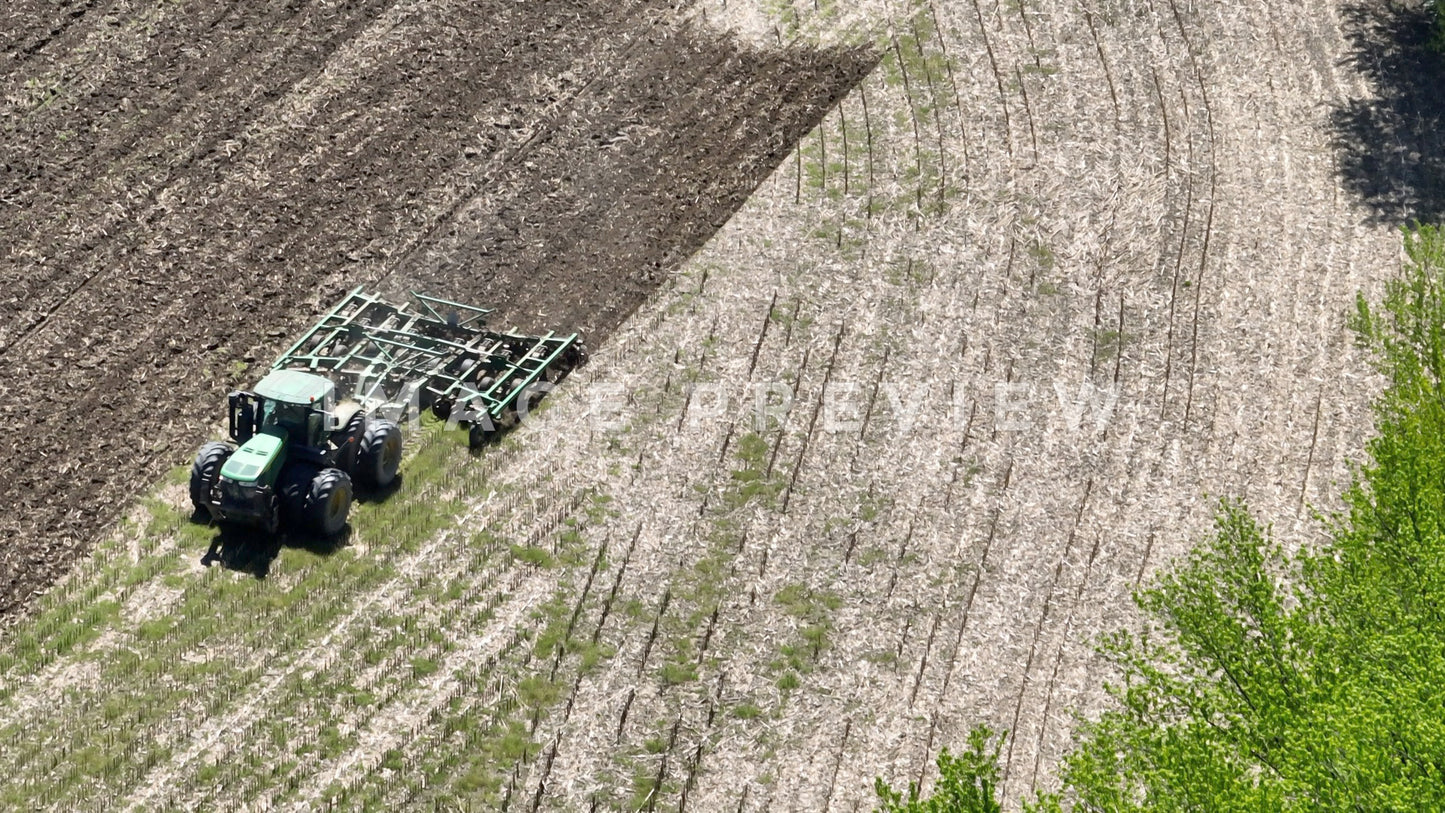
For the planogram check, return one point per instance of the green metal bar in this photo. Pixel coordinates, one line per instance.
(430, 301)
(533, 375)
(344, 324)
(377, 334)
(315, 328)
(381, 341)
(403, 353)
(336, 331)
(381, 358)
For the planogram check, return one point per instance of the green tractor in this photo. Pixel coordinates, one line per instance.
(314, 425)
(296, 456)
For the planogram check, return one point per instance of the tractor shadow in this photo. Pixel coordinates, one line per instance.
(252, 551)
(374, 496)
(244, 550)
(1391, 146)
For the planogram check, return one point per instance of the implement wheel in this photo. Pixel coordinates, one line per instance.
(441, 408)
(578, 356)
(483, 433)
(206, 470)
(328, 502)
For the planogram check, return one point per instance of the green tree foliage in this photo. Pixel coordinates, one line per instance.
(1438, 40)
(1263, 682)
(966, 783)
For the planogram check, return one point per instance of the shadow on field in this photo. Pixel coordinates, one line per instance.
(243, 550)
(363, 496)
(251, 551)
(1392, 147)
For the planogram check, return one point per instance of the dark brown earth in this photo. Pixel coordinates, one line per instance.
(173, 205)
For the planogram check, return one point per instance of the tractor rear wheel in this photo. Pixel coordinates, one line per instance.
(380, 454)
(328, 502)
(350, 443)
(206, 470)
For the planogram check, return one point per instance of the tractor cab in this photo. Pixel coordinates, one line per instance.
(284, 461)
(297, 405)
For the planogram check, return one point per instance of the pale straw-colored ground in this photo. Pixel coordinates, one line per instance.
(1042, 289)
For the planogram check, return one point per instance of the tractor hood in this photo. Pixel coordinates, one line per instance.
(256, 456)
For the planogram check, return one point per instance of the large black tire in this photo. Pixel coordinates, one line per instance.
(441, 408)
(349, 443)
(206, 470)
(328, 502)
(380, 455)
(275, 515)
(579, 356)
(479, 436)
(485, 431)
(293, 488)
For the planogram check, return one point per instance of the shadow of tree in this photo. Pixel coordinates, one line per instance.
(1391, 146)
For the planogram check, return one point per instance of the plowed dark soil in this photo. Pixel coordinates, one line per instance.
(183, 186)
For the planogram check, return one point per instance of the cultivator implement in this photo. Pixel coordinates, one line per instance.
(432, 353)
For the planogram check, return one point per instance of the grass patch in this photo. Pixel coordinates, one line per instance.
(533, 556)
(746, 711)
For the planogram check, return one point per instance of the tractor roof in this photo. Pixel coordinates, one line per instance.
(294, 387)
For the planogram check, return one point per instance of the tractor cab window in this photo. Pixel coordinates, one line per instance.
(291, 417)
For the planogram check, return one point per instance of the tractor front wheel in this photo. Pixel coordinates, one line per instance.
(294, 489)
(328, 502)
(206, 470)
(380, 454)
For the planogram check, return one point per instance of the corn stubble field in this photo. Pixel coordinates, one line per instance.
(1043, 285)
